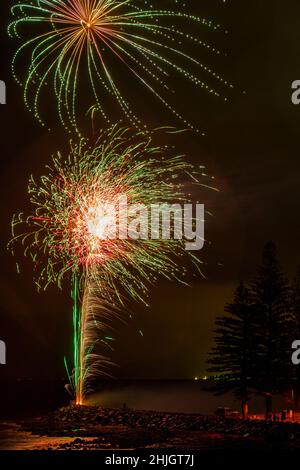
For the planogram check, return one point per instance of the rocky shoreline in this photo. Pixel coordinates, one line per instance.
(92, 427)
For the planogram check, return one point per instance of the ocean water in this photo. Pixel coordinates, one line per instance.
(176, 396)
(184, 396)
(28, 398)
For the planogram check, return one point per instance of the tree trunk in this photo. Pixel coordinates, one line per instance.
(268, 406)
(245, 409)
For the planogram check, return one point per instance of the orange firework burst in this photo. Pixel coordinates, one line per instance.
(81, 229)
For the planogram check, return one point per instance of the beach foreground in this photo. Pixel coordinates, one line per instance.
(95, 428)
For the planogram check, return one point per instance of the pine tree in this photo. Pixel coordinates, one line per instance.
(231, 358)
(272, 317)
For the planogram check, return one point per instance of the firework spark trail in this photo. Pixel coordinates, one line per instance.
(72, 233)
(91, 322)
(70, 36)
(95, 319)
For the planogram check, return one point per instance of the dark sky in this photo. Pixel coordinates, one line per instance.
(252, 148)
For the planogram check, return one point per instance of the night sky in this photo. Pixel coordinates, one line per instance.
(252, 149)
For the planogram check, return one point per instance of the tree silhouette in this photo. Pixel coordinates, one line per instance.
(253, 343)
(270, 294)
(231, 358)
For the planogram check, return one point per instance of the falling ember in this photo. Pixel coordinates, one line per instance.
(70, 37)
(71, 234)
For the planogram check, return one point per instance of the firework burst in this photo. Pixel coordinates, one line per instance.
(72, 233)
(97, 45)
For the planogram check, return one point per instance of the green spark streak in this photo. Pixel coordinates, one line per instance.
(76, 328)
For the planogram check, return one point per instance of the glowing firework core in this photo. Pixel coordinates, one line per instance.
(100, 221)
(97, 222)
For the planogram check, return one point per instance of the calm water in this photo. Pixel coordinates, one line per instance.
(26, 399)
(186, 396)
